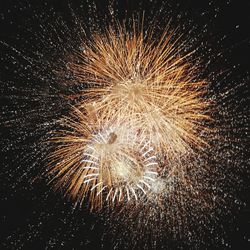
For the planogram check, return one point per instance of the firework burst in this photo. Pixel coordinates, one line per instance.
(142, 108)
(119, 118)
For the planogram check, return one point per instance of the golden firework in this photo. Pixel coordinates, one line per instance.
(141, 108)
(152, 81)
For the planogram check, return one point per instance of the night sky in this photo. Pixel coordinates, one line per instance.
(35, 217)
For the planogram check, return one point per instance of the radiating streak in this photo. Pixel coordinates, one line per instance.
(145, 183)
(90, 147)
(101, 190)
(108, 132)
(89, 161)
(150, 158)
(109, 194)
(128, 193)
(151, 164)
(149, 178)
(86, 181)
(98, 184)
(151, 172)
(92, 156)
(142, 140)
(116, 190)
(144, 146)
(133, 191)
(90, 175)
(141, 188)
(104, 140)
(150, 149)
(120, 195)
(96, 140)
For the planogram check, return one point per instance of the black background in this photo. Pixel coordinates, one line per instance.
(228, 30)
